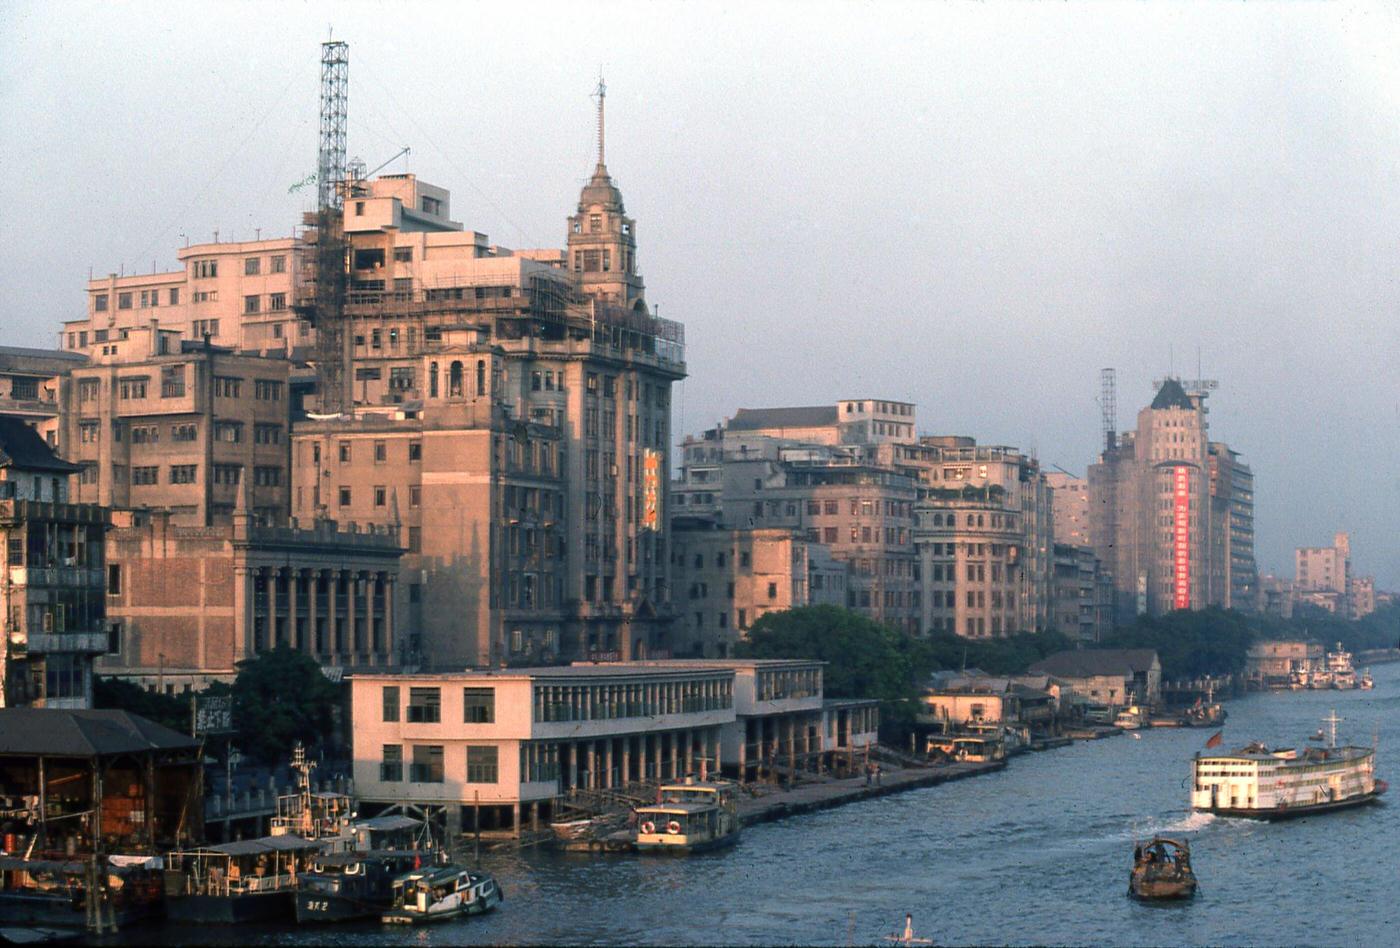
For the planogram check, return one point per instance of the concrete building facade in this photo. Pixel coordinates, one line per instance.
(51, 596)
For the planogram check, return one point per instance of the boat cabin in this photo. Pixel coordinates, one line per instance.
(245, 867)
(975, 748)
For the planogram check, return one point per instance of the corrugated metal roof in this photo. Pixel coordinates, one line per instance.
(22, 447)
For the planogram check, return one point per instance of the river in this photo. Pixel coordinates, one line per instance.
(1038, 853)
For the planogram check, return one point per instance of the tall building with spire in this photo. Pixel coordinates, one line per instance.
(1150, 507)
(602, 245)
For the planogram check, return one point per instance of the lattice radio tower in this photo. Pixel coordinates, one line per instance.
(331, 355)
(1108, 404)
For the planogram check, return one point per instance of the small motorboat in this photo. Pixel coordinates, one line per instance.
(1162, 870)
(439, 893)
(1319, 736)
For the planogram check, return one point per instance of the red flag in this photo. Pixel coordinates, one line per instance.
(1216, 739)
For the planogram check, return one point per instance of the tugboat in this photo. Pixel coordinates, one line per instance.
(1162, 870)
(689, 817)
(439, 893)
(347, 885)
(1366, 682)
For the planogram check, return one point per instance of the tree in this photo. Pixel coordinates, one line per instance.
(123, 695)
(281, 697)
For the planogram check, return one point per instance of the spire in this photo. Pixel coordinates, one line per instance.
(602, 94)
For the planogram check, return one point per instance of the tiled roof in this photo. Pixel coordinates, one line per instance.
(22, 447)
(1089, 662)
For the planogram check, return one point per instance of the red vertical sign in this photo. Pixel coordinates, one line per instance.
(1181, 536)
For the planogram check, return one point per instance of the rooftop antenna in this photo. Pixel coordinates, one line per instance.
(1108, 404)
(602, 94)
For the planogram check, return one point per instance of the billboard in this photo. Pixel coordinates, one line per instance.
(1181, 536)
(651, 490)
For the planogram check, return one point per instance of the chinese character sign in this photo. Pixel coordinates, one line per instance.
(651, 490)
(1181, 534)
(213, 715)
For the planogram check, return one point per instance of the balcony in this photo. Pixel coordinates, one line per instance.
(53, 643)
(57, 577)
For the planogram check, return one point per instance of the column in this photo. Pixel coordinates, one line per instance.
(626, 760)
(242, 615)
(689, 737)
(642, 743)
(332, 578)
(294, 637)
(270, 627)
(366, 644)
(607, 763)
(349, 646)
(571, 748)
(743, 750)
(311, 578)
(592, 765)
(390, 599)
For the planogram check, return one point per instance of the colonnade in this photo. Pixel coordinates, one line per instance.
(346, 616)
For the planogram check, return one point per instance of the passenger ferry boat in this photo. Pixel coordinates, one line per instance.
(1258, 783)
(1129, 719)
(1340, 673)
(689, 817)
(439, 893)
(970, 748)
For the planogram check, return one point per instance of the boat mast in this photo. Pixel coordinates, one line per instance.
(1332, 720)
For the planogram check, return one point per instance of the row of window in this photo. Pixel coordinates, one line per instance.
(483, 764)
(101, 302)
(425, 705)
(276, 303)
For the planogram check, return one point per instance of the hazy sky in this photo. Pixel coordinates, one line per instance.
(974, 207)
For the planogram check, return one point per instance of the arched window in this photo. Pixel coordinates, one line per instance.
(454, 381)
(433, 380)
(481, 376)
(971, 520)
(979, 520)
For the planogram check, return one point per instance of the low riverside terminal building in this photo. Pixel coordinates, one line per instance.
(502, 746)
(499, 748)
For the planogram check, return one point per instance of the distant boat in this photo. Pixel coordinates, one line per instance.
(907, 937)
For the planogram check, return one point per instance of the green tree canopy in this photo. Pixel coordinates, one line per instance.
(281, 697)
(864, 659)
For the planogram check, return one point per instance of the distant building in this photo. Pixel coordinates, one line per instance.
(52, 600)
(186, 604)
(1171, 513)
(1277, 662)
(158, 423)
(30, 383)
(1070, 508)
(1323, 578)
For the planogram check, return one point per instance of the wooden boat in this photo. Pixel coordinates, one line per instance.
(439, 893)
(346, 885)
(243, 881)
(1162, 870)
(689, 817)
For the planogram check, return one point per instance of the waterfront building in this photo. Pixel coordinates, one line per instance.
(52, 599)
(157, 422)
(1113, 677)
(482, 356)
(1171, 535)
(815, 471)
(186, 604)
(1277, 663)
(1070, 508)
(962, 701)
(30, 382)
(984, 538)
(1234, 574)
(67, 773)
(498, 749)
(729, 578)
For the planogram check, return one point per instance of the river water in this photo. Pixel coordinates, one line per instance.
(1038, 853)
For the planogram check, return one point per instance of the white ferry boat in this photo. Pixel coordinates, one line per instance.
(689, 817)
(1340, 670)
(1265, 784)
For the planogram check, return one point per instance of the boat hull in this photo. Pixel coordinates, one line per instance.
(1273, 814)
(686, 848)
(475, 907)
(1162, 890)
(231, 909)
(320, 907)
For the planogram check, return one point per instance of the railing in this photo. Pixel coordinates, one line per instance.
(50, 643)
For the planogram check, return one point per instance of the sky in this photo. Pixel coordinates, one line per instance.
(973, 207)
